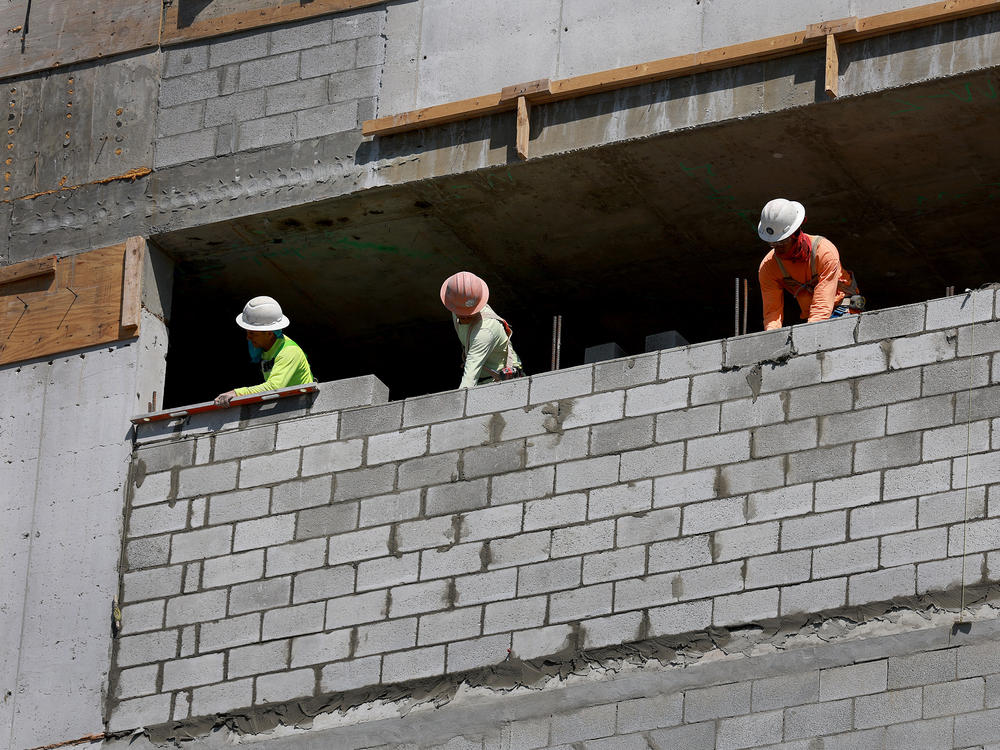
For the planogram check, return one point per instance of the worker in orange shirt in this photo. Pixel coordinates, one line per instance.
(806, 266)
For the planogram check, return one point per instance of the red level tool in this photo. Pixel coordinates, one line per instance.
(206, 406)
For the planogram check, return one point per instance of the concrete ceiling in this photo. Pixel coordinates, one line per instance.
(624, 240)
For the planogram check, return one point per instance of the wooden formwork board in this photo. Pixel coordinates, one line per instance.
(59, 304)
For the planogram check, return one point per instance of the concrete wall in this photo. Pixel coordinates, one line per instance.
(750, 480)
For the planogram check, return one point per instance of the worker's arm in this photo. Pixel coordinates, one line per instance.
(281, 374)
(771, 294)
(475, 358)
(825, 293)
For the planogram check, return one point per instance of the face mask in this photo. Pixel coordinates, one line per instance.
(256, 353)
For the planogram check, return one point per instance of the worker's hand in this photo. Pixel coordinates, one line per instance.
(223, 399)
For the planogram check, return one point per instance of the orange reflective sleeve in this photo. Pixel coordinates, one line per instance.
(826, 295)
(771, 292)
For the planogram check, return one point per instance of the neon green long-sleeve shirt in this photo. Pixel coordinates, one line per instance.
(282, 365)
(485, 342)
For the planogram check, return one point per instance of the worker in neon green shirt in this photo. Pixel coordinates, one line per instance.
(282, 361)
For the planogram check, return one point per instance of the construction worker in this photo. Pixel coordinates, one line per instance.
(487, 354)
(806, 266)
(282, 361)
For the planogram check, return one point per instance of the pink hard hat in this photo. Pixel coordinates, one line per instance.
(464, 294)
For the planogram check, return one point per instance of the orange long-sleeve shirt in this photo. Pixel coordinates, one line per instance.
(816, 304)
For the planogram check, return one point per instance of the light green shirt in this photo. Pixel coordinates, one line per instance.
(485, 344)
(282, 365)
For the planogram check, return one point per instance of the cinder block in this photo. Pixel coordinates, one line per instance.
(813, 597)
(748, 412)
(882, 585)
(262, 532)
(778, 569)
(922, 669)
(249, 597)
(350, 675)
(920, 350)
(983, 469)
(236, 108)
(395, 446)
(648, 526)
(784, 438)
(785, 690)
(493, 459)
(691, 360)
(945, 377)
(419, 472)
(779, 503)
(154, 488)
(813, 530)
(493, 397)
(414, 598)
(650, 462)
(948, 442)
(519, 550)
(626, 434)
(591, 472)
(917, 546)
(485, 587)
(158, 519)
(320, 648)
(327, 59)
(313, 33)
(716, 702)
(326, 520)
(291, 621)
(852, 426)
(206, 480)
(364, 482)
(381, 637)
(634, 497)
(979, 536)
(437, 407)
(581, 603)
(324, 583)
(151, 584)
(457, 560)
(331, 457)
(453, 625)
(848, 492)
(916, 480)
(626, 372)
(284, 686)
(230, 569)
(892, 707)
(841, 559)
(522, 485)
(583, 724)
(140, 712)
(819, 463)
(234, 631)
(424, 534)
(829, 398)
(824, 335)
(359, 545)
(296, 495)
(891, 451)
(151, 459)
(951, 698)
(270, 469)
(690, 486)
(292, 558)
(204, 84)
(756, 730)
(921, 414)
(137, 681)
(477, 652)
(256, 659)
(514, 614)
(877, 390)
(708, 581)
(741, 609)
(935, 733)
(465, 433)
(960, 309)
(865, 359)
(717, 386)
(345, 611)
(557, 447)
(143, 616)
(239, 505)
(892, 323)
(794, 373)
(179, 61)
(583, 538)
(601, 407)
(201, 544)
(193, 608)
(561, 510)
(718, 449)
(147, 552)
(818, 719)
(657, 397)
(371, 420)
(714, 514)
(490, 523)
(384, 572)
(562, 384)
(371, 51)
(680, 553)
(614, 565)
(685, 423)
(655, 712)
(239, 48)
(678, 618)
(401, 506)
(200, 670)
(762, 346)
(296, 95)
(743, 541)
(224, 697)
(883, 518)
(549, 576)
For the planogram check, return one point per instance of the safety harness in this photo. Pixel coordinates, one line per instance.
(509, 371)
(848, 285)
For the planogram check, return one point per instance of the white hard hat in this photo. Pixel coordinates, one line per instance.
(262, 314)
(779, 219)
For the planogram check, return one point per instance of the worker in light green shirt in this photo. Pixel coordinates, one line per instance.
(282, 361)
(487, 353)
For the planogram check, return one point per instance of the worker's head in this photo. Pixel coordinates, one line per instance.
(464, 294)
(263, 321)
(780, 221)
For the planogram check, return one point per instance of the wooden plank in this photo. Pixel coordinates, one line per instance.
(823, 28)
(80, 307)
(441, 114)
(832, 66)
(922, 15)
(523, 127)
(629, 75)
(27, 269)
(177, 30)
(532, 90)
(135, 253)
(55, 33)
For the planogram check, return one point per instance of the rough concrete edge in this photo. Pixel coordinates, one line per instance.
(576, 678)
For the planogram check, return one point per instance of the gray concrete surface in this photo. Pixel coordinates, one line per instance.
(66, 442)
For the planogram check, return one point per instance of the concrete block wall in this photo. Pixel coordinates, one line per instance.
(271, 86)
(711, 486)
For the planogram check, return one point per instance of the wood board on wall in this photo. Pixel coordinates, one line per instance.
(55, 305)
(41, 34)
